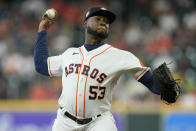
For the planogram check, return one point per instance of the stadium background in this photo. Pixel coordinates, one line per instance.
(154, 30)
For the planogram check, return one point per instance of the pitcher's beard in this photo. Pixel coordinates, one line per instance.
(100, 35)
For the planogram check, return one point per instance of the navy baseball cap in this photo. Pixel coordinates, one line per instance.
(100, 11)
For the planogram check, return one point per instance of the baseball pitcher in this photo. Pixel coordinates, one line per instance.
(90, 72)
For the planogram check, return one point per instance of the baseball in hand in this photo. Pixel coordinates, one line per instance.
(51, 13)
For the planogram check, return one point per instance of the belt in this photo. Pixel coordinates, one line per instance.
(79, 121)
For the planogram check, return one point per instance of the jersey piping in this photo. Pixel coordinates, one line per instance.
(87, 77)
(78, 81)
(142, 73)
(50, 73)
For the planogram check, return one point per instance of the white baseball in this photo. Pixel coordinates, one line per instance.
(51, 13)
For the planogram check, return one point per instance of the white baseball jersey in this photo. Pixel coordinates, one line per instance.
(88, 78)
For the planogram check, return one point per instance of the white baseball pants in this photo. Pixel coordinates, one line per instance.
(105, 122)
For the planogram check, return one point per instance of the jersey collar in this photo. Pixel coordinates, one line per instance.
(94, 51)
(92, 47)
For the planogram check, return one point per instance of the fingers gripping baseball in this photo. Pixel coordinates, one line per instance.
(50, 14)
(48, 19)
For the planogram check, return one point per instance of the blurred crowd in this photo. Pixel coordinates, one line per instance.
(154, 30)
